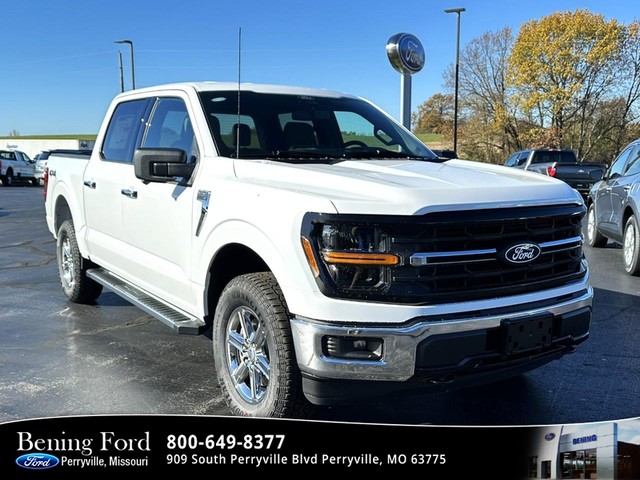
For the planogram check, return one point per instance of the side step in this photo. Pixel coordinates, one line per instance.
(180, 322)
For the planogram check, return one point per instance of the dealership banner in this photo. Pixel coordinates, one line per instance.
(136, 445)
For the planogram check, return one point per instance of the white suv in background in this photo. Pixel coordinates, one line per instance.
(42, 159)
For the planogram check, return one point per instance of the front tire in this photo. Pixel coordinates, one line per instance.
(76, 286)
(594, 237)
(631, 246)
(253, 350)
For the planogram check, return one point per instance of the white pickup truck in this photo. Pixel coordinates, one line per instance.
(16, 165)
(334, 256)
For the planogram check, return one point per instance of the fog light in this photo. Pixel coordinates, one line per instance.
(354, 348)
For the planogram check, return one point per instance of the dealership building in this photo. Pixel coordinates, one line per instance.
(583, 451)
(32, 146)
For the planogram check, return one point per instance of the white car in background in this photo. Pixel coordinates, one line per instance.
(42, 159)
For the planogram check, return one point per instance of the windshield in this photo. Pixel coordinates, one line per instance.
(550, 156)
(305, 128)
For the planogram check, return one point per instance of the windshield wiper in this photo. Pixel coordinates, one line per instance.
(296, 154)
(381, 153)
(302, 156)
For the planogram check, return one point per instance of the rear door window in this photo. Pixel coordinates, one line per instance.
(123, 132)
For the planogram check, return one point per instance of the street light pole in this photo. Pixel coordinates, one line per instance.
(133, 73)
(457, 11)
(120, 66)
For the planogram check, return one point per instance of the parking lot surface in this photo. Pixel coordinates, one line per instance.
(58, 358)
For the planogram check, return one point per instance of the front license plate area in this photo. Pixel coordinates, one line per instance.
(522, 335)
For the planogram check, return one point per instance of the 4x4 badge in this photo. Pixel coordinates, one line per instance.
(522, 253)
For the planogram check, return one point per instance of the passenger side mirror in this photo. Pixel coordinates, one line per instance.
(161, 164)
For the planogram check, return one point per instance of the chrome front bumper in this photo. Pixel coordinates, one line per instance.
(398, 362)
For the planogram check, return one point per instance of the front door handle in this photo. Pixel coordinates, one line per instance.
(88, 183)
(129, 193)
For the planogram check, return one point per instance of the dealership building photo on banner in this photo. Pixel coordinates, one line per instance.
(608, 450)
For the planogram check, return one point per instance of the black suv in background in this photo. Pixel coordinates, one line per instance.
(562, 164)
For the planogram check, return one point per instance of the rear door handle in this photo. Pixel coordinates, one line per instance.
(88, 183)
(129, 193)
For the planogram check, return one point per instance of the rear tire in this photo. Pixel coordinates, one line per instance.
(253, 350)
(7, 179)
(594, 237)
(76, 286)
(631, 246)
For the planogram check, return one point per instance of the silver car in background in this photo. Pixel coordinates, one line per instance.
(614, 207)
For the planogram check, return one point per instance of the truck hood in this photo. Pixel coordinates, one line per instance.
(409, 187)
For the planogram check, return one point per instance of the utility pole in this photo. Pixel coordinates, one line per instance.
(457, 11)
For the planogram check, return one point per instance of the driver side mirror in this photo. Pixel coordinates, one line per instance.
(161, 165)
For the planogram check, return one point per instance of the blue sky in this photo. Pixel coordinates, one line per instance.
(60, 65)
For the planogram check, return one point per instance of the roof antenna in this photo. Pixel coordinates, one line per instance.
(239, 70)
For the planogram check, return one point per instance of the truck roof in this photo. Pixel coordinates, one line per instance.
(207, 86)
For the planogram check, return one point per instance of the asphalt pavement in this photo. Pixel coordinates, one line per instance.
(59, 359)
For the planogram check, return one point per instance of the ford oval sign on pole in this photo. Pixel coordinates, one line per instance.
(406, 55)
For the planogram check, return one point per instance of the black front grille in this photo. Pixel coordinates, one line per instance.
(464, 253)
(460, 256)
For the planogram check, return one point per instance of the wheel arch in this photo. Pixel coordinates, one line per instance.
(61, 212)
(230, 261)
(628, 211)
(236, 247)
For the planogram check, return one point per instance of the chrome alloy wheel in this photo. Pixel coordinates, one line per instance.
(628, 249)
(248, 355)
(68, 272)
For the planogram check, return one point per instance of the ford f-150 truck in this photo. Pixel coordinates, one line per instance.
(331, 253)
(16, 165)
(562, 164)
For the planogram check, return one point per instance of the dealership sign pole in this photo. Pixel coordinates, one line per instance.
(406, 55)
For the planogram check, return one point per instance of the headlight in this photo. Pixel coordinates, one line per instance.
(354, 257)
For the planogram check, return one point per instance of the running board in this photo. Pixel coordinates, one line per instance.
(180, 322)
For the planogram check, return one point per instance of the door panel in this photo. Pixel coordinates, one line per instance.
(102, 184)
(157, 220)
(607, 200)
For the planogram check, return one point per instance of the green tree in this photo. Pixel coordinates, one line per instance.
(562, 67)
(435, 115)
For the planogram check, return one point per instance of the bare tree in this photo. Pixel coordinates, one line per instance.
(485, 98)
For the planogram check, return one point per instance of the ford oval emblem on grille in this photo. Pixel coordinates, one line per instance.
(522, 253)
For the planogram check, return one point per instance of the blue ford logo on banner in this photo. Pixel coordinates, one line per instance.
(406, 53)
(549, 436)
(37, 461)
